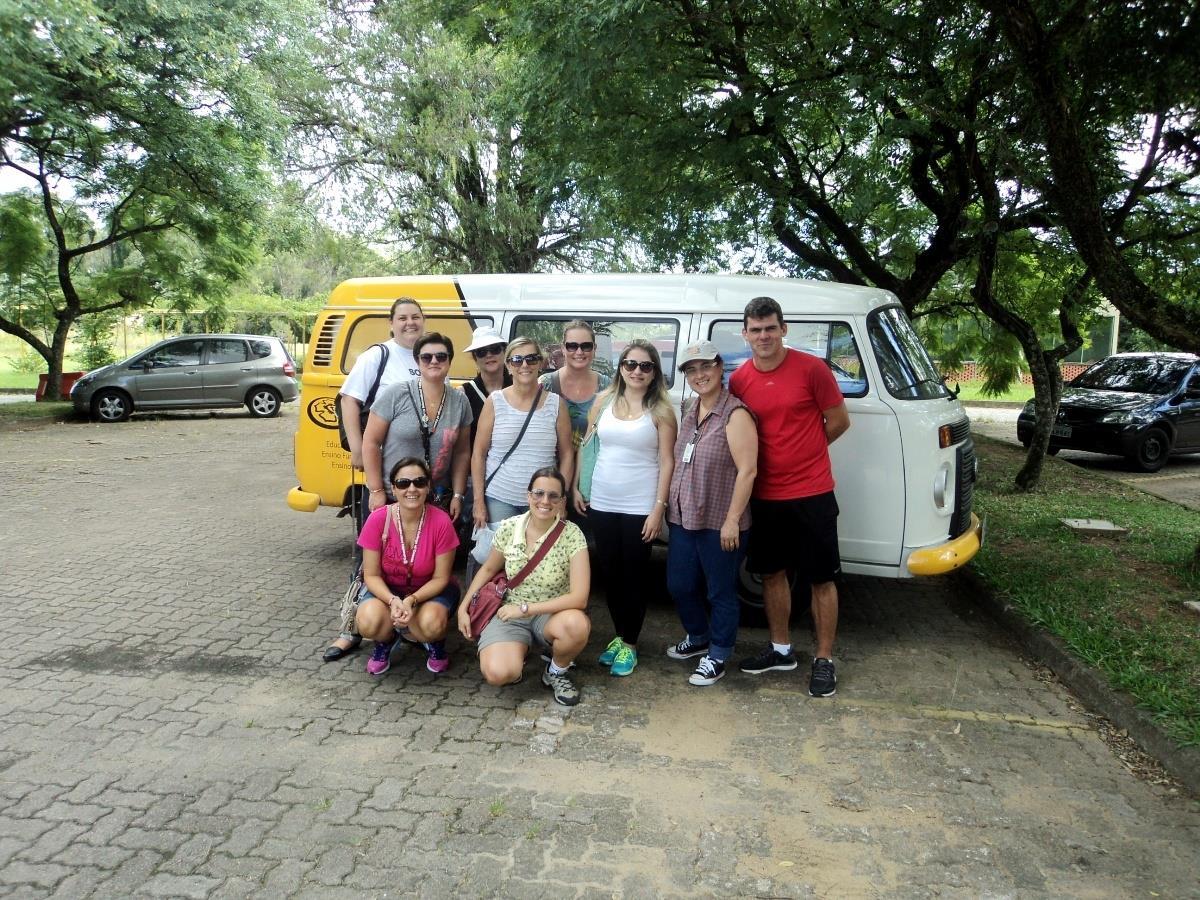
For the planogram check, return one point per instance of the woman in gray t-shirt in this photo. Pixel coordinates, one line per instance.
(426, 418)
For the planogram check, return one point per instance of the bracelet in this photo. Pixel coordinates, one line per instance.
(378, 490)
(458, 496)
(661, 502)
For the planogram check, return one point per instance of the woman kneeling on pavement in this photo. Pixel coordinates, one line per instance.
(408, 555)
(716, 460)
(548, 605)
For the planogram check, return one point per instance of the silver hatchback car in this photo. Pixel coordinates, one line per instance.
(193, 371)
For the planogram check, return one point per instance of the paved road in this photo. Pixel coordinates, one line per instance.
(169, 731)
(1178, 481)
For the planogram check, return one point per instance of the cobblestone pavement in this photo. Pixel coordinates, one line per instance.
(170, 731)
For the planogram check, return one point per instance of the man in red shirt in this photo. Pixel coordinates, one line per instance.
(799, 411)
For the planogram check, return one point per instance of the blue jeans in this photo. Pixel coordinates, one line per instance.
(695, 561)
(498, 510)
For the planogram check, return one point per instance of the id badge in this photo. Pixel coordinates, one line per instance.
(688, 449)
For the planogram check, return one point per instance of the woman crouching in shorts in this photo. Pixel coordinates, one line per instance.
(408, 554)
(548, 605)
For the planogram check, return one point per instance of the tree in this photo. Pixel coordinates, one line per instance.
(144, 130)
(408, 119)
(1089, 107)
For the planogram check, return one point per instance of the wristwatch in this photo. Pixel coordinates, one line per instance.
(524, 609)
(458, 496)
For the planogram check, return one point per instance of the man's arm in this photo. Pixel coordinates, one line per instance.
(837, 420)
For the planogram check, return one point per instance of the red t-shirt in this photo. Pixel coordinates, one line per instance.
(788, 404)
(437, 537)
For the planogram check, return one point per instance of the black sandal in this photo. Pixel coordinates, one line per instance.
(333, 651)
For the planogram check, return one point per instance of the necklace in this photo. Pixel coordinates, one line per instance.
(425, 413)
(409, 560)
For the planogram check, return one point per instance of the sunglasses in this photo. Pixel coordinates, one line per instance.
(440, 356)
(630, 365)
(585, 346)
(529, 359)
(494, 350)
(539, 494)
(696, 369)
(420, 481)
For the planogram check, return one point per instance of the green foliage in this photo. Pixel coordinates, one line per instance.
(1117, 605)
(145, 130)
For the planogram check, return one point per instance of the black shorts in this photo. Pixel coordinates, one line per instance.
(796, 534)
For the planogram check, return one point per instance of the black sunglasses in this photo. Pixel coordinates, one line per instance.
(494, 350)
(585, 346)
(645, 365)
(440, 356)
(421, 481)
(529, 359)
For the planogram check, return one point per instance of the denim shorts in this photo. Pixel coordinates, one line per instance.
(448, 598)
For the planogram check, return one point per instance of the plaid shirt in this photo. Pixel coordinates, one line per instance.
(702, 489)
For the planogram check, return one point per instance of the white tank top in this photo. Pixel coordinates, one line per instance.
(625, 479)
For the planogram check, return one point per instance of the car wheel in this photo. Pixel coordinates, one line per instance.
(1150, 453)
(263, 402)
(1052, 451)
(111, 405)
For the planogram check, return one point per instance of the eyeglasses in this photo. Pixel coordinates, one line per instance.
(529, 359)
(690, 370)
(539, 494)
(645, 365)
(421, 481)
(494, 350)
(440, 356)
(585, 346)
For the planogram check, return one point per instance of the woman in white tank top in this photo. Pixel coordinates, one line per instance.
(636, 427)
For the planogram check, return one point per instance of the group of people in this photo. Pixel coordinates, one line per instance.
(557, 458)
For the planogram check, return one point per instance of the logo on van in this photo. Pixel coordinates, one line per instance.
(323, 412)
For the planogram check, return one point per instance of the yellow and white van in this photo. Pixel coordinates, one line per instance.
(905, 470)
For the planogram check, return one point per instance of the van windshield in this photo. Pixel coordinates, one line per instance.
(908, 372)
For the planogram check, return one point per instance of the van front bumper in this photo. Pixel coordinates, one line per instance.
(949, 556)
(303, 501)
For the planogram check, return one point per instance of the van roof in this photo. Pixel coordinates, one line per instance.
(611, 292)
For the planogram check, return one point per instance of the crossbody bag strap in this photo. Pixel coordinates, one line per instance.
(596, 422)
(374, 391)
(520, 434)
(478, 393)
(539, 556)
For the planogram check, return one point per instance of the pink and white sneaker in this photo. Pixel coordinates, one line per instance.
(438, 660)
(381, 658)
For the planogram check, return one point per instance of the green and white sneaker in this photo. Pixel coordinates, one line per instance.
(624, 662)
(610, 652)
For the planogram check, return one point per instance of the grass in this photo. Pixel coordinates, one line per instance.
(19, 380)
(31, 412)
(1117, 604)
(973, 390)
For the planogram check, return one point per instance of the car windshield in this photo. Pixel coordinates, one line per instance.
(1134, 374)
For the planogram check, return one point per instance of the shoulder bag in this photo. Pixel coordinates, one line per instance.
(357, 582)
(589, 450)
(489, 598)
(364, 405)
(520, 434)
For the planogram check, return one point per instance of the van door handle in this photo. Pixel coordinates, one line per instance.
(247, 369)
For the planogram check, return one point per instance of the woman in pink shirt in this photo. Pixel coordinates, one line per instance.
(408, 555)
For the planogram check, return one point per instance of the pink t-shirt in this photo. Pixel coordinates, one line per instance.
(437, 537)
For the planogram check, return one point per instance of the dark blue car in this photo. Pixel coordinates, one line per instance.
(1143, 406)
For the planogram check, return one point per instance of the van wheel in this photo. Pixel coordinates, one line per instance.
(1150, 452)
(263, 402)
(111, 405)
(750, 593)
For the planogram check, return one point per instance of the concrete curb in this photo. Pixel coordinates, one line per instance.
(1091, 686)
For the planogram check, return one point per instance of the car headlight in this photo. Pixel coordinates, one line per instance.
(1122, 417)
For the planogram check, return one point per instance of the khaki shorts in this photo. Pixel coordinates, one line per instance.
(518, 631)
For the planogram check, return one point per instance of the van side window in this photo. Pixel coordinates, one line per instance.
(612, 336)
(374, 329)
(831, 341)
